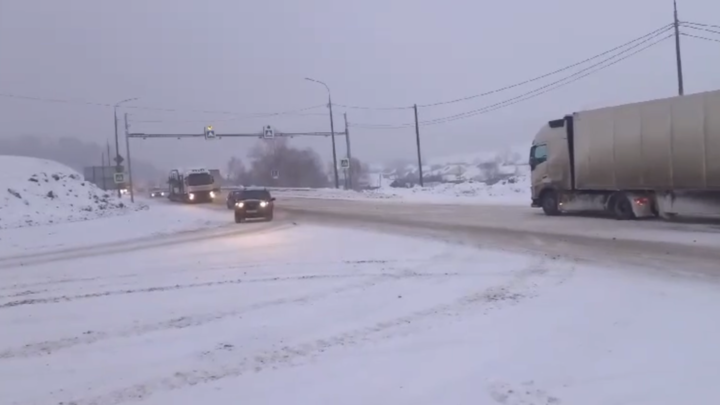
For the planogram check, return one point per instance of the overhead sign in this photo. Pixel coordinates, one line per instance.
(345, 163)
(209, 132)
(268, 132)
(119, 178)
(275, 173)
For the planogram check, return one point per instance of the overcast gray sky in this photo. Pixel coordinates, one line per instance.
(252, 56)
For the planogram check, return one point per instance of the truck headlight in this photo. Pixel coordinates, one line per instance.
(191, 196)
(212, 194)
(263, 204)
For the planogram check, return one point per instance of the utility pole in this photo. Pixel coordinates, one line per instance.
(332, 135)
(417, 141)
(348, 153)
(108, 161)
(117, 150)
(681, 90)
(129, 165)
(102, 168)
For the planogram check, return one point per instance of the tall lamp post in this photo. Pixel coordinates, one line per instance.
(332, 131)
(117, 142)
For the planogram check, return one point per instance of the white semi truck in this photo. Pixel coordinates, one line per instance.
(634, 160)
(191, 186)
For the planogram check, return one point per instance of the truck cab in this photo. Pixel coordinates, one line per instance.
(550, 165)
(195, 185)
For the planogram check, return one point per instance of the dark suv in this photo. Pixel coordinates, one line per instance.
(253, 203)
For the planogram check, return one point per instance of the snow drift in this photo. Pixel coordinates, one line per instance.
(39, 192)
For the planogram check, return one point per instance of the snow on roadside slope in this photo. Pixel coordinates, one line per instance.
(312, 315)
(38, 191)
(160, 218)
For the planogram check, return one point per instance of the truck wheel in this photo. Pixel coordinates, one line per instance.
(550, 203)
(238, 219)
(623, 208)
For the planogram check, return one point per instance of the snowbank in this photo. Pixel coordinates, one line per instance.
(39, 192)
(160, 219)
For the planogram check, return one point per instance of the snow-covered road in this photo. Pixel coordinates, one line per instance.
(302, 314)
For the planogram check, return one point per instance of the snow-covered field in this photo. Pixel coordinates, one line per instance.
(311, 315)
(515, 191)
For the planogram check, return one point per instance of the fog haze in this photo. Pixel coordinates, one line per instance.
(251, 57)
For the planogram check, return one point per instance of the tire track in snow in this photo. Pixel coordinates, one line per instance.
(68, 298)
(234, 366)
(31, 288)
(153, 242)
(90, 337)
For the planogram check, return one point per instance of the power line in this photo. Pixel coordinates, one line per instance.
(700, 24)
(699, 37)
(685, 25)
(107, 105)
(651, 34)
(533, 93)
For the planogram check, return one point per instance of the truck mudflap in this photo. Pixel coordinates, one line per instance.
(535, 203)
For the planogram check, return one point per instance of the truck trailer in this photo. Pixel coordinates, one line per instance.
(631, 161)
(191, 186)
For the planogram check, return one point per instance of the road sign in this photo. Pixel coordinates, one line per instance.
(119, 159)
(209, 132)
(345, 163)
(119, 178)
(268, 132)
(275, 173)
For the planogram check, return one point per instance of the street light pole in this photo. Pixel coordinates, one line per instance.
(117, 141)
(332, 131)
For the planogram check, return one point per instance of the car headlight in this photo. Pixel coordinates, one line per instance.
(239, 204)
(263, 204)
(212, 194)
(191, 196)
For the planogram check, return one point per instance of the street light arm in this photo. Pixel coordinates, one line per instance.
(318, 81)
(125, 101)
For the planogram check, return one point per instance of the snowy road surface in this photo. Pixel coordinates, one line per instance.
(298, 313)
(657, 244)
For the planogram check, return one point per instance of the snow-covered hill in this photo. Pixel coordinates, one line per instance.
(483, 166)
(478, 178)
(37, 192)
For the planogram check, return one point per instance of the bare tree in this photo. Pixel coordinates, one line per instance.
(236, 171)
(359, 172)
(275, 163)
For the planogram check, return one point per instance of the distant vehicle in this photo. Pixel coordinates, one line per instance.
(158, 193)
(232, 198)
(253, 203)
(630, 160)
(191, 186)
